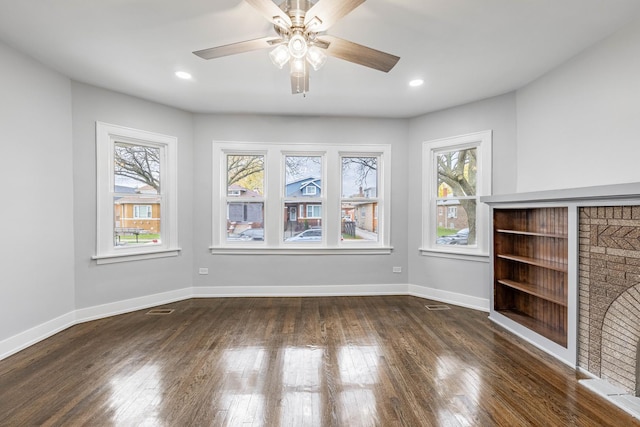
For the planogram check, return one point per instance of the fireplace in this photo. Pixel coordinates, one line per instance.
(609, 295)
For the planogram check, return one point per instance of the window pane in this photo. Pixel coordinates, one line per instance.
(457, 173)
(456, 222)
(136, 220)
(359, 177)
(136, 202)
(359, 180)
(245, 221)
(303, 176)
(245, 175)
(303, 181)
(136, 169)
(359, 221)
(245, 180)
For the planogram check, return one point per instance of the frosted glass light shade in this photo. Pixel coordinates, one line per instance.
(279, 56)
(316, 57)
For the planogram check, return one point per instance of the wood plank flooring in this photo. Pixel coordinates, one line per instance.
(347, 361)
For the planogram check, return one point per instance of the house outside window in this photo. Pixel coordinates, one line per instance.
(456, 173)
(136, 193)
(302, 204)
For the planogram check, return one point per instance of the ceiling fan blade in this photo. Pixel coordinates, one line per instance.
(299, 77)
(270, 10)
(241, 47)
(329, 11)
(359, 54)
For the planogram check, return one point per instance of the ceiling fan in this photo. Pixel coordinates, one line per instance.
(301, 40)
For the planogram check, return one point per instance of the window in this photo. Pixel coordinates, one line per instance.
(306, 198)
(456, 173)
(314, 211)
(359, 181)
(142, 211)
(245, 194)
(136, 192)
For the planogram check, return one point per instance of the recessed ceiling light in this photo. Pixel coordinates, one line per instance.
(183, 75)
(416, 82)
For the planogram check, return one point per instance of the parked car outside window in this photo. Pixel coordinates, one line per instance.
(310, 235)
(460, 238)
(248, 234)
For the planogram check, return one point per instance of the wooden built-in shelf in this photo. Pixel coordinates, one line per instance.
(557, 266)
(534, 290)
(531, 287)
(555, 335)
(532, 233)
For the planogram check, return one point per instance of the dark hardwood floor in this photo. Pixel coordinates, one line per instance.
(348, 361)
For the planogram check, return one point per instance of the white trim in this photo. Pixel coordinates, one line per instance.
(274, 197)
(565, 355)
(301, 248)
(114, 258)
(36, 334)
(126, 306)
(483, 142)
(467, 301)
(441, 253)
(106, 136)
(299, 291)
(40, 332)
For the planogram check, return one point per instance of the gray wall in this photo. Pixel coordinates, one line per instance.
(36, 212)
(579, 125)
(277, 270)
(498, 114)
(101, 284)
(47, 221)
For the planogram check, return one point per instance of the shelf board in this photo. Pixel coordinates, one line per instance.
(534, 290)
(531, 233)
(535, 325)
(557, 266)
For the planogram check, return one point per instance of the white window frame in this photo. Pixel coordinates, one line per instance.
(107, 135)
(274, 199)
(308, 190)
(482, 141)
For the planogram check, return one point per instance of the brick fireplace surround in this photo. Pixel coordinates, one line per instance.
(609, 295)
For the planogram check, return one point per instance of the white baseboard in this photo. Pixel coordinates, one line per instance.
(298, 291)
(119, 307)
(461, 300)
(38, 333)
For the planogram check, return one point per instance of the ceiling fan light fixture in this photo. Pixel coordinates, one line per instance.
(280, 56)
(298, 46)
(316, 57)
(298, 67)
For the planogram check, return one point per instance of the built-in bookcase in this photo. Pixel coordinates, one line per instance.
(531, 269)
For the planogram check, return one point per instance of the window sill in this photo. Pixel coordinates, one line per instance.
(467, 256)
(135, 256)
(298, 250)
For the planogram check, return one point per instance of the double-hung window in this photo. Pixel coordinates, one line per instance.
(300, 198)
(136, 194)
(456, 173)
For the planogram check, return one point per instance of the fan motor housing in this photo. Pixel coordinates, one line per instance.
(296, 9)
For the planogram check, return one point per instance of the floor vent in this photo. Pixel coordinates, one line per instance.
(160, 311)
(437, 307)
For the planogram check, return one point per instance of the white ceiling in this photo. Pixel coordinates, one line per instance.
(465, 50)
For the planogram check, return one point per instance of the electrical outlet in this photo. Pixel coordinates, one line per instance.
(397, 269)
(203, 270)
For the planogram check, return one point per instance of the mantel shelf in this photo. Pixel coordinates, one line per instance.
(534, 290)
